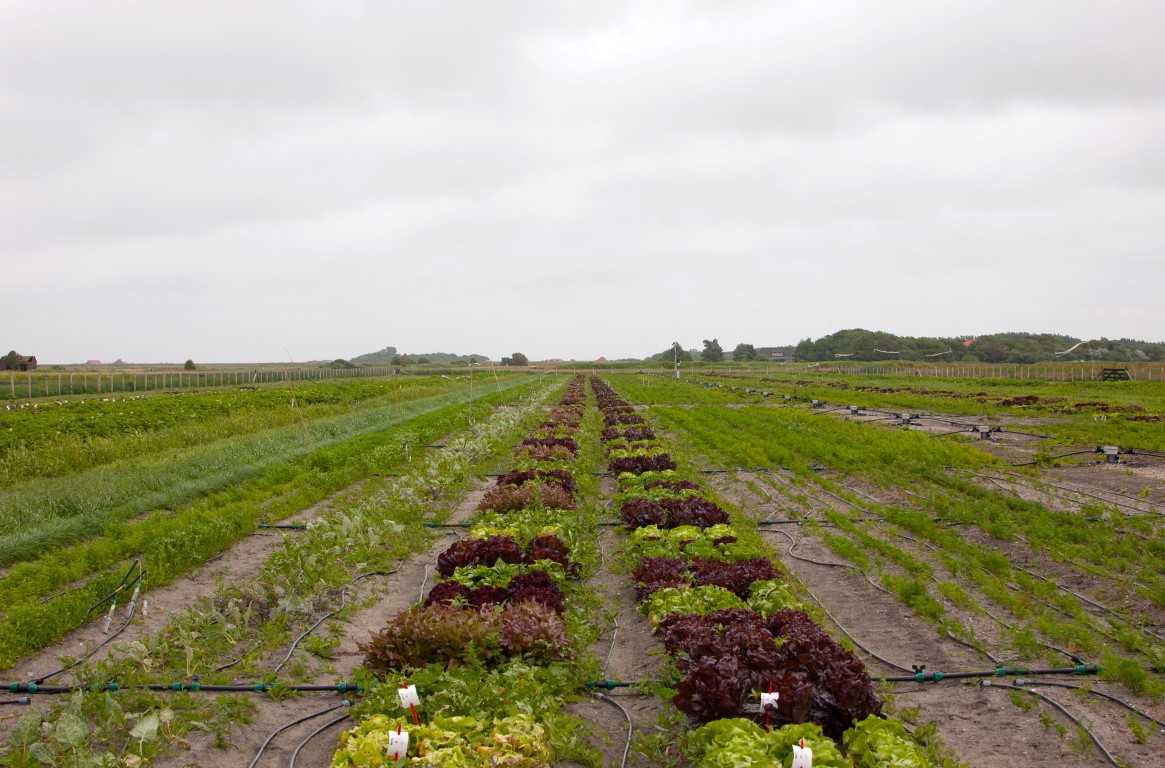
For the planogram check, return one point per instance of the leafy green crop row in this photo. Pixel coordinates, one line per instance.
(373, 529)
(39, 515)
(170, 544)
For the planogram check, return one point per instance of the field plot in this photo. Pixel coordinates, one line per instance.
(630, 571)
(1024, 568)
(208, 633)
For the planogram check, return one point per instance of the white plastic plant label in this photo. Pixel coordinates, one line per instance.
(398, 744)
(802, 756)
(769, 699)
(408, 696)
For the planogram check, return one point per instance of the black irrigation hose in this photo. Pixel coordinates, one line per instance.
(630, 726)
(1057, 705)
(1006, 584)
(920, 676)
(1040, 643)
(94, 649)
(292, 724)
(1050, 458)
(1094, 692)
(189, 686)
(21, 700)
(854, 640)
(1070, 655)
(1082, 492)
(1029, 434)
(308, 631)
(952, 432)
(122, 586)
(312, 735)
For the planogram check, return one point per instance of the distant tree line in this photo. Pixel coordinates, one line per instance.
(711, 353)
(861, 345)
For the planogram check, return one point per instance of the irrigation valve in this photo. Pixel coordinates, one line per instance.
(815, 403)
(984, 432)
(802, 756)
(1111, 453)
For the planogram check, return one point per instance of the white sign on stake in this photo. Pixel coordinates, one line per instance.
(408, 696)
(398, 743)
(767, 699)
(802, 756)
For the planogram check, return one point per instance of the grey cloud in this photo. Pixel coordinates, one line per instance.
(572, 179)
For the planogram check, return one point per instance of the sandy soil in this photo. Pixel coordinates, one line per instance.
(981, 725)
(389, 595)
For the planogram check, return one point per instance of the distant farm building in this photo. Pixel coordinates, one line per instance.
(15, 362)
(93, 362)
(775, 354)
(601, 360)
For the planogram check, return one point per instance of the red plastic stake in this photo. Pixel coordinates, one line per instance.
(412, 707)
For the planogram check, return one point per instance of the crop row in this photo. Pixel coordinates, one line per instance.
(170, 543)
(239, 633)
(1128, 414)
(747, 651)
(497, 646)
(922, 546)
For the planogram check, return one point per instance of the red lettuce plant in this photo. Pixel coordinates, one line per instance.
(655, 573)
(736, 577)
(670, 513)
(550, 477)
(508, 498)
(447, 635)
(489, 551)
(640, 464)
(551, 442)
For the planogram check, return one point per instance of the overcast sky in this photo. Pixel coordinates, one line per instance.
(228, 180)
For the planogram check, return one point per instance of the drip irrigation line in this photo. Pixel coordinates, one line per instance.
(292, 724)
(21, 700)
(1059, 706)
(1040, 643)
(611, 650)
(128, 620)
(793, 546)
(312, 735)
(1029, 434)
(952, 432)
(1007, 584)
(921, 676)
(1094, 692)
(1050, 458)
(188, 686)
(123, 585)
(284, 526)
(965, 644)
(377, 573)
(630, 727)
(854, 640)
(1070, 489)
(309, 630)
(1004, 488)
